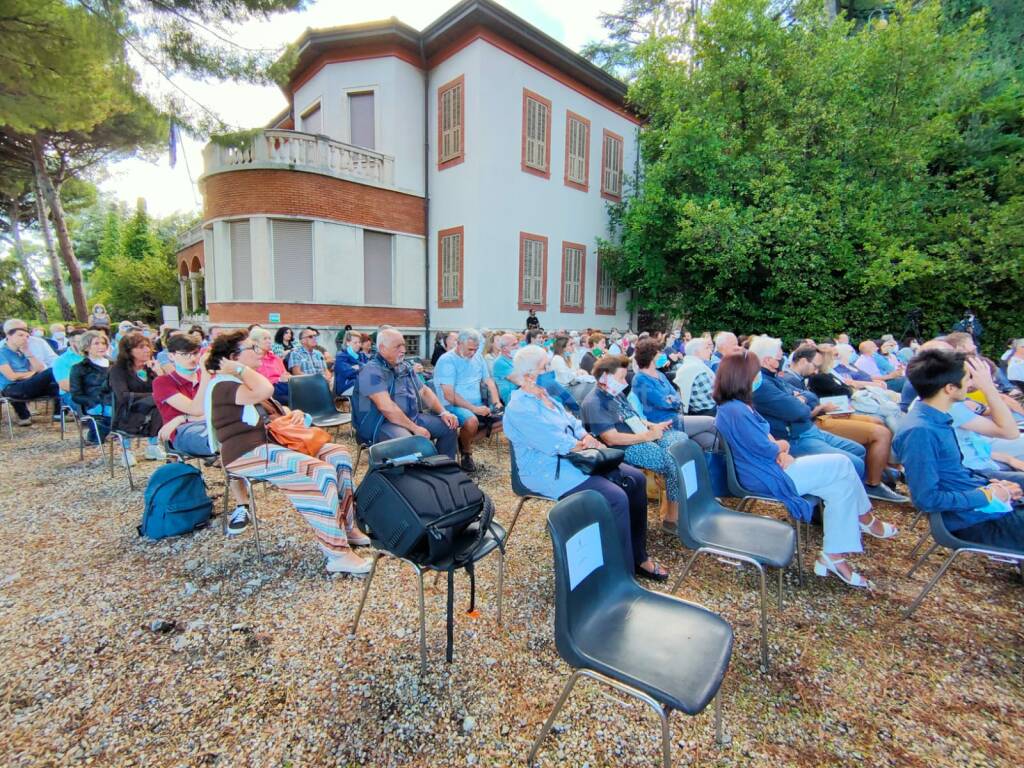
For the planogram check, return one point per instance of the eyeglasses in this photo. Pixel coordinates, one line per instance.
(245, 347)
(311, 336)
(188, 354)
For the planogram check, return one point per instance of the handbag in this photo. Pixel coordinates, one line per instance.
(295, 437)
(593, 461)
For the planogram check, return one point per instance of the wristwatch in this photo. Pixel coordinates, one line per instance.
(239, 369)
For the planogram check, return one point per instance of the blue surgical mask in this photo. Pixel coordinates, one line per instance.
(183, 371)
(661, 360)
(546, 379)
(757, 382)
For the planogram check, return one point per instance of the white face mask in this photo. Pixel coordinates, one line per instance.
(613, 385)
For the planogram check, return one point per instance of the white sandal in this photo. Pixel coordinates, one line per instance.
(830, 565)
(888, 529)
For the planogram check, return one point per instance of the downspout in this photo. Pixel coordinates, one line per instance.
(427, 348)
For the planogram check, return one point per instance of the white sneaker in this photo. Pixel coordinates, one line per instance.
(128, 459)
(155, 452)
(347, 563)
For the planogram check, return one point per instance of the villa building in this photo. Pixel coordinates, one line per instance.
(437, 179)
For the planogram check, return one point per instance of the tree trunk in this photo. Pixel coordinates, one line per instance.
(67, 250)
(66, 312)
(14, 214)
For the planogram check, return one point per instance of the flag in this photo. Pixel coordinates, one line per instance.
(172, 142)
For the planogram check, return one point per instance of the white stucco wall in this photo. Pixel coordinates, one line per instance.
(494, 199)
(398, 104)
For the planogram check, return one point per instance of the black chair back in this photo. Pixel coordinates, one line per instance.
(400, 446)
(517, 485)
(731, 478)
(589, 570)
(311, 394)
(697, 499)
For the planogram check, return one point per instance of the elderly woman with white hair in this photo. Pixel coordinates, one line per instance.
(695, 380)
(541, 430)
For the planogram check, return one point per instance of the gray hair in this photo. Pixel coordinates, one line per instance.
(258, 334)
(765, 346)
(470, 333)
(526, 361)
(695, 346)
(14, 324)
(722, 336)
(506, 340)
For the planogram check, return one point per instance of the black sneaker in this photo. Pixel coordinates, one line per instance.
(468, 465)
(882, 492)
(239, 520)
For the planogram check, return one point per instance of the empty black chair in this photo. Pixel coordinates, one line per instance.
(945, 538)
(668, 653)
(706, 526)
(520, 490)
(736, 490)
(312, 394)
(492, 541)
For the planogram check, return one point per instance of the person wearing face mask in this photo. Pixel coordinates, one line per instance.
(766, 466)
(349, 361)
(660, 400)
(540, 430)
(180, 396)
(608, 415)
(90, 379)
(58, 339)
(386, 400)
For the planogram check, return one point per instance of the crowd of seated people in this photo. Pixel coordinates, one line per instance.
(821, 418)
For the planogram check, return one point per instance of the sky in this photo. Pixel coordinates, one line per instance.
(168, 190)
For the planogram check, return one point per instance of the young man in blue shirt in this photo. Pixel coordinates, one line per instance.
(22, 375)
(976, 508)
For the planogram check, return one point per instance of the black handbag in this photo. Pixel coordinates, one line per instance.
(593, 461)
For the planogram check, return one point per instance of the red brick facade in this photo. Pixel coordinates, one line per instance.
(188, 257)
(294, 193)
(315, 314)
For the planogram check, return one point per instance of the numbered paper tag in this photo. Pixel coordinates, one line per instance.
(583, 554)
(690, 478)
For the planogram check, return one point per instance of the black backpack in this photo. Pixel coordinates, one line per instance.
(425, 509)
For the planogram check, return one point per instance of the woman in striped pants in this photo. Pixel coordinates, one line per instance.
(320, 487)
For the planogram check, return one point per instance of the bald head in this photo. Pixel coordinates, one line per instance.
(391, 346)
(867, 347)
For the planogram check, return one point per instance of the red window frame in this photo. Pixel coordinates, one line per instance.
(545, 174)
(441, 235)
(585, 185)
(566, 245)
(523, 237)
(606, 193)
(441, 91)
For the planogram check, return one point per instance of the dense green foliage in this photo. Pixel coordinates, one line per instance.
(807, 178)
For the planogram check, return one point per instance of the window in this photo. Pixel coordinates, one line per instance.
(312, 119)
(533, 271)
(376, 268)
(574, 270)
(241, 260)
(605, 289)
(611, 166)
(412, 345)
(536, 134)
(449, 267)
(361, 120)
(577, 152)
(292, 242)
(451, 123)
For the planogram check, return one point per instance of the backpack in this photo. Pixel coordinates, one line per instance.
(425, 509)
(176, 502)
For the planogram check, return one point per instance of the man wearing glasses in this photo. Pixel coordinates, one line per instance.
(306, 359)
(180, 397)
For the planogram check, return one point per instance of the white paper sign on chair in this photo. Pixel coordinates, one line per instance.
(690, 478)
(583, 554)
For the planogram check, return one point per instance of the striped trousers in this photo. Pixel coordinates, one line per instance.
(319, 488)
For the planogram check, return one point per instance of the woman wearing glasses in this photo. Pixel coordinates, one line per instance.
(320, 487)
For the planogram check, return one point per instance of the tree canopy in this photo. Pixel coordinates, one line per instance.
(807, 177)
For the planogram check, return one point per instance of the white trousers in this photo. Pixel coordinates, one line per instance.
(832, 477)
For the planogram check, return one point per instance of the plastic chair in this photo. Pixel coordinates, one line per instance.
(520, 490)
(493, 540)
(706, 526)
(745, 496)
(945, 538)
(7, 405)
(311, 394)
(669, 654)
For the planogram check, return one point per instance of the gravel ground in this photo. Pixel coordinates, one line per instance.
(119, 651)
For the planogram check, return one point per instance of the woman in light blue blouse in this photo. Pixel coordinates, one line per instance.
(540, 430)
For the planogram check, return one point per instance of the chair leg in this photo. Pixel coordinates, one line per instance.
(764, 617)
(501, 581)
(666, 739)
(515, 516)
(917, 517)
(111, 441)
(423, 626)
(799, 556)
(719, 734)
(10, 421)
(62, 423)
(255, 520)
(366, 590)
(920, 560)
(780, 588)
(930, 584)
(922, 540)
(686, 570)
(554, 713)
(359, 455)
(127, 464)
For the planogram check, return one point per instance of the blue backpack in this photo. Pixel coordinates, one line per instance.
(176, 502)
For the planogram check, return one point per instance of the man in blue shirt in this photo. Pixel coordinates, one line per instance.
(976, 508)
(386, 400)
(306, 359)
(22, 375)
(459, 377)
(507, 345)
(65, 362)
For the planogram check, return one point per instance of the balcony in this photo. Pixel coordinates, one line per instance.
(292, 150)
